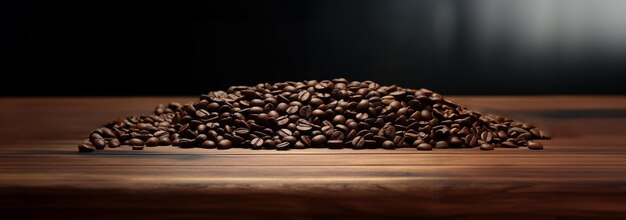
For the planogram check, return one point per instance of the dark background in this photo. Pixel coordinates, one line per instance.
(189, 48)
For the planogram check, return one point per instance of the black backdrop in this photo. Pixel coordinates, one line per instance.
(188, 48)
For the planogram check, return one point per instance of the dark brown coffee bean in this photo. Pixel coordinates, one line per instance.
(283, 146)
(388, 144)
(208, 144)
(137, 147)
(269, 144)
(292, 109)
(224, 144)
(306, 111)
(339, 119)
(508, 144)
(153, 141)
(99, 144)
(358, 142)
(362, 116)
(86, 148)
(486, 136)
(284, 132)
(136, 142)
(113, 143)
(486, 146)
(363, 105)
(306, 140)
(455, 141)
(257, 143)
(164, 141)
(282, 120)
(304, 127)
(471, 140)
(533, 145)
(335, 144)
(441, 145)
(304, 96)
(424, 146)
(318, 140)
(290, 139)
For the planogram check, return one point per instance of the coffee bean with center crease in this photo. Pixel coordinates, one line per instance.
(113, 143)
(284, 132)
(152, 141)
(283, 146)
(304, 127)
(257, 143)
(358, 142)
(292, 109)
(99, 144)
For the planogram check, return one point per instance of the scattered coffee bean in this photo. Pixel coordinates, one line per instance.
(533, 145)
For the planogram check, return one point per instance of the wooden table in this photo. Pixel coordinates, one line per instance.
(580, 174)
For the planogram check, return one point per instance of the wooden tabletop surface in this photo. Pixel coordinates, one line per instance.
(581, 173)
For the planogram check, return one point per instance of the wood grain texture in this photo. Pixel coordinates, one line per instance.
(581, 174)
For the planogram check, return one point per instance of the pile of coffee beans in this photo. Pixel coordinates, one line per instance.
(312, 114)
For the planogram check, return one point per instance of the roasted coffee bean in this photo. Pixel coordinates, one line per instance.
(486, 146)
(471, 140)
(292, 109)
(136, 142)
(339, 119)
(486, 136)
(153, 141)
(284, 132)
(318, 140)
(113, 143)
(137, 147)
(455, 141)
(388, 144)
(208, 144)
(508, 144)
(533, 145)
(363, 105)
(335, 144)
(224, 144)
(424, 146)
(283, 146)
(306, 111)
(99, 144)
(358, 142)
(304, 96)
(86, 148)
(164, 141)
(441, 145)
(257, 143)
(304, 127)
